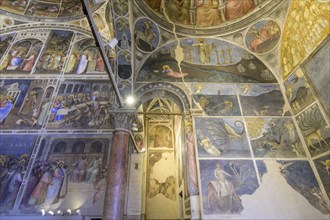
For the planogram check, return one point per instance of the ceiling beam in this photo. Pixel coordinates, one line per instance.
(100, 44)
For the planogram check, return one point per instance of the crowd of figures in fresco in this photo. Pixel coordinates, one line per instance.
(205, 13)
(12, 172)
(54, 182)
(49, 181)
(79, 104)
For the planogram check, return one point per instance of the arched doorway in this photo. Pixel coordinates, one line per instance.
(163, 132)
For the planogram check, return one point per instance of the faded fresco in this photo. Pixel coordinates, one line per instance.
(68, 173)
(15, 154)
(41, 9)
(82, 105)
(120, 7)
(295, 192)
(300, 177)
(146, 35)
(263, 36)
(306, 26)
(5, 40)
(162, 186)
(317, 71)
(25, 103)
(216, 100)
(124, 64)
(261, 100)
(205, 60)
(125, 88)
(17, 7)
(315, 130)
(191, 165)
(46, 9)
(221, 137)
(322, 165)
(298, 91)
(55, 53)
(123, 33)
(223, 183)
(274, 138)
(160, 136)
(85, 58)
(201, 13)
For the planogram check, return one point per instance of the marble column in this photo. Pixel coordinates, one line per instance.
(115, 196)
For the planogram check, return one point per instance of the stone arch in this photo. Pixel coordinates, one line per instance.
(165, 90)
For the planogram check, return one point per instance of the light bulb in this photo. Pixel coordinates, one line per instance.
(130, 100)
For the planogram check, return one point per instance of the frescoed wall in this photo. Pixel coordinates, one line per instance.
(306, 26)
(216, 100)
(82, 105)
(204, 60)
(15, 155)
(68, 173)
(298, 92)
(233, 121)
(318, 75)
(25, 103)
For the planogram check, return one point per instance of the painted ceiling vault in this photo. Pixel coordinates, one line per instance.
(250, 77)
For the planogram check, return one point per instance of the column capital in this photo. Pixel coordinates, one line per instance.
(123, 118)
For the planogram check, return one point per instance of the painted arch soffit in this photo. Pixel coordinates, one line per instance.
(203, 60)
(198, 17)
(47, 10)
(170, 91)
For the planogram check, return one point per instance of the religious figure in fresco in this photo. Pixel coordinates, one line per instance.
(192, 166)
(204, 51)
(83, 63)
(178, 11)
(11, 190)
(28, 63)
(16, 59)
(154, 4)
(99, 63)
(39, 193)
(100, 187)
(171, 73)
(6, 106)
(57, 105)
(55, 61)
(146, 35)
(30, 103)
(93, 169)
(264, 38)
(43, 113)
(238, 8)
(64, 188)
(221, 193)
(35, 176)
(71, 63)
(54, 189)
(167, 188)
(80, 170)
(163, 137)
(207, 13)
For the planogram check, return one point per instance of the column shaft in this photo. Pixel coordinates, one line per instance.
(114, 202)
